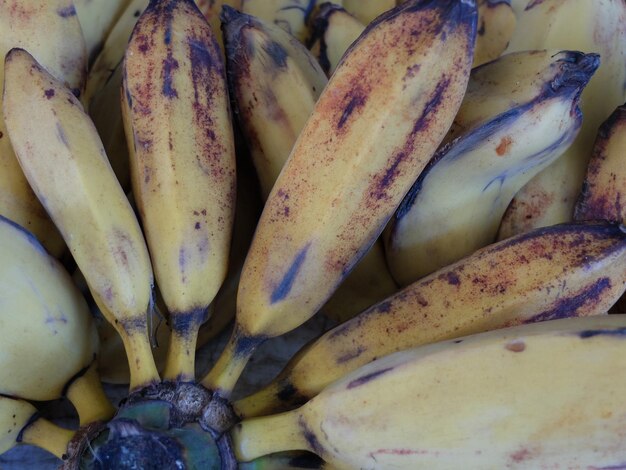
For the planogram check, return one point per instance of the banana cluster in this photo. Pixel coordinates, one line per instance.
(427, 173)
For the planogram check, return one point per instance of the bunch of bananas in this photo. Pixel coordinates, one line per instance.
(429, 174)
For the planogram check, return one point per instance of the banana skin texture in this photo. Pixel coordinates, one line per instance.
(385, 106)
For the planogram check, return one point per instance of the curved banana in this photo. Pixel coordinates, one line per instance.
(291, 15)
(549, 273)
(367, 10)
(49, 340)
(333, 30)
(373, 128)
(605, 182)
(65, 163)
(598, 26)
(519, 114)
(177, 117)
(535, 396)
(496, 23)
(96, 18)
(20, 422)
(49, 29)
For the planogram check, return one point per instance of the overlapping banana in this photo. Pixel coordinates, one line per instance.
(600, 27)
(378, 121)
(49, 344)
(533, 396)
(177, 118)
(496, 23)
(558, 271)
(519, 114)
(64, 161)
(50, 30)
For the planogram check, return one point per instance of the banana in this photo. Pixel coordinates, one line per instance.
(367, 10)
(371, 132)
(96, 18)
(519, 114)
(64, 161)
(575, 269)
(535, 396)
(49, 340)
(333, 30)
(600, 27)
(519, 6)
(291, 15)
(601, 197)
(49, 29)
(20, 422)
(496, 23)
(177, 117)
(285, 461)
(211, 9)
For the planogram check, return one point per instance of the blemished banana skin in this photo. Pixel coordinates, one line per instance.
(65, 163)
(602, 194)
(598, 27)
(327, 206)
(565, 270)
(182, 155)
(533, 396)
(50, 30)
(507, 130)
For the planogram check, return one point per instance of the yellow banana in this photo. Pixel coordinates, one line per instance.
(65, 163)
(598, 26)
(605, 183)
(291, 15)
(519, 114)
(177, 117)
(535, 396)
(333, 30)
(20, 422)
(373, 128)
(366, 10)
(49, 340)
(96, 18)
(549, 273)
(496, 23)
(518, 6)
(49, 29)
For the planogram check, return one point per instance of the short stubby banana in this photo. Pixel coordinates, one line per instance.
(50, 30)
(182, 155)
(275, 83)
(496, 23)
(378, 121)
(566, 270)
(602, 196)
(598, 26)
(64, 161)
(333, 30)
(519, 114)
(547, 395)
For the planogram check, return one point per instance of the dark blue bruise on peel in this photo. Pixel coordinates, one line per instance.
(29, 236)
(67, 12)
(281, 291)
(277, 53)
(618, 332)
(367, 378)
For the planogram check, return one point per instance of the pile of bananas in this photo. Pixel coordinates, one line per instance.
(441, 178)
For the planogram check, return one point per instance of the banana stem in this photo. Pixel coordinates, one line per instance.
(143, 370)
(181, 355)
(88, 397)
(47, 435)
(224, 375)
(256, 437)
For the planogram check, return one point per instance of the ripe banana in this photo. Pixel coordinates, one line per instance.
(367, 10)
(20, 423)
(549, 273)
(64, 161)
(96, 18)
(49, 340)
(50, 30)
(598, 26)
(333, 30)
(519, 114)
(605, 183)
(373, 128)
(211, 9)
(496, 23)
(177, 117)
(535, 396)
